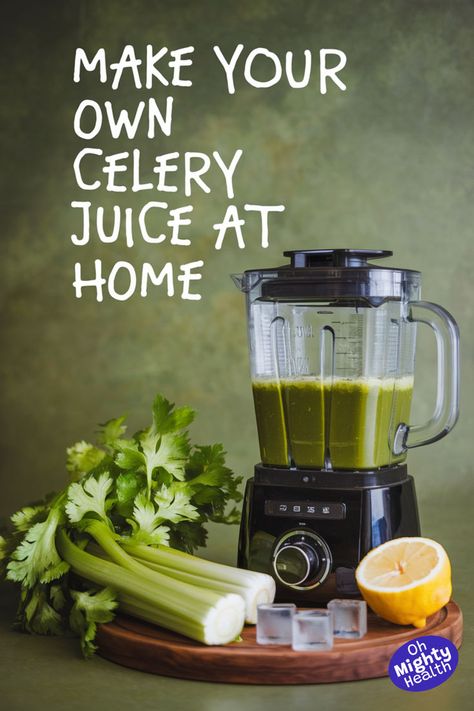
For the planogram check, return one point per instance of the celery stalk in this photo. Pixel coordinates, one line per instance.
(200, 614)
(255, 588)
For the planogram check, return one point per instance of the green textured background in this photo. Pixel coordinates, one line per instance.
(387, 164)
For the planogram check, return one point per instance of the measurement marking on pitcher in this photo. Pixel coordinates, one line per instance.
(305, 331)
(299, 365)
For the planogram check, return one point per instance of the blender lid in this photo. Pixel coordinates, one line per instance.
(301, 258)
(332, 274)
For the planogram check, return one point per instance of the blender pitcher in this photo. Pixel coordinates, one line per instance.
(332, 354)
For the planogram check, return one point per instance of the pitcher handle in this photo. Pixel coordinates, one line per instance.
(446, 409)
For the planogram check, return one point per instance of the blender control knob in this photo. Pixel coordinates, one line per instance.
(301, 559)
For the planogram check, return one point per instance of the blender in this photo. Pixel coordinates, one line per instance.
(332, 354)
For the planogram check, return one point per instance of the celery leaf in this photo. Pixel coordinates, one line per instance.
(152, 451)
(170, 452)
(4, 548)
(175, 505)
(167, 418)
(90, 608)
(89, 496)
(212, 484)
(146, 523)
(27, 516)
(111, 431)
(128, 455)
(127, 486)
(162, 446)
(82, 458)
(37, 615)
(57, 597)
(36, 558)
(187, 536)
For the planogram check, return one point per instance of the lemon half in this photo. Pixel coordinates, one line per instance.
(406, 580)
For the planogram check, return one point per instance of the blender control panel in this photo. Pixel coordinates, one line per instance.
(306, 509)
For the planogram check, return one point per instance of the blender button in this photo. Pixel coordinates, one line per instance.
(305, 479)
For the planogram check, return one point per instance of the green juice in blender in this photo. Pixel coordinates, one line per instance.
(302, 421)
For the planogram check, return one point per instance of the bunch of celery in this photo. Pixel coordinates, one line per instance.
(104, 542)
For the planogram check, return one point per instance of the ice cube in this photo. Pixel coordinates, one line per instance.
(274, 623)
(349, 618)
(312, 631)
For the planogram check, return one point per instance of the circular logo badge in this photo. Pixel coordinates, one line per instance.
(423, 663)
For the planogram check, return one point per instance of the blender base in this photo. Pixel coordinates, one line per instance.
(310, 528)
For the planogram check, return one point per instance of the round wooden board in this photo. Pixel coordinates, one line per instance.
(143, 646)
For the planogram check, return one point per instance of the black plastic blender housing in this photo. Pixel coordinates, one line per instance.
(326, 519)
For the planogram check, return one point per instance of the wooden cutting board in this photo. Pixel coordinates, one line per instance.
(143, 646)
